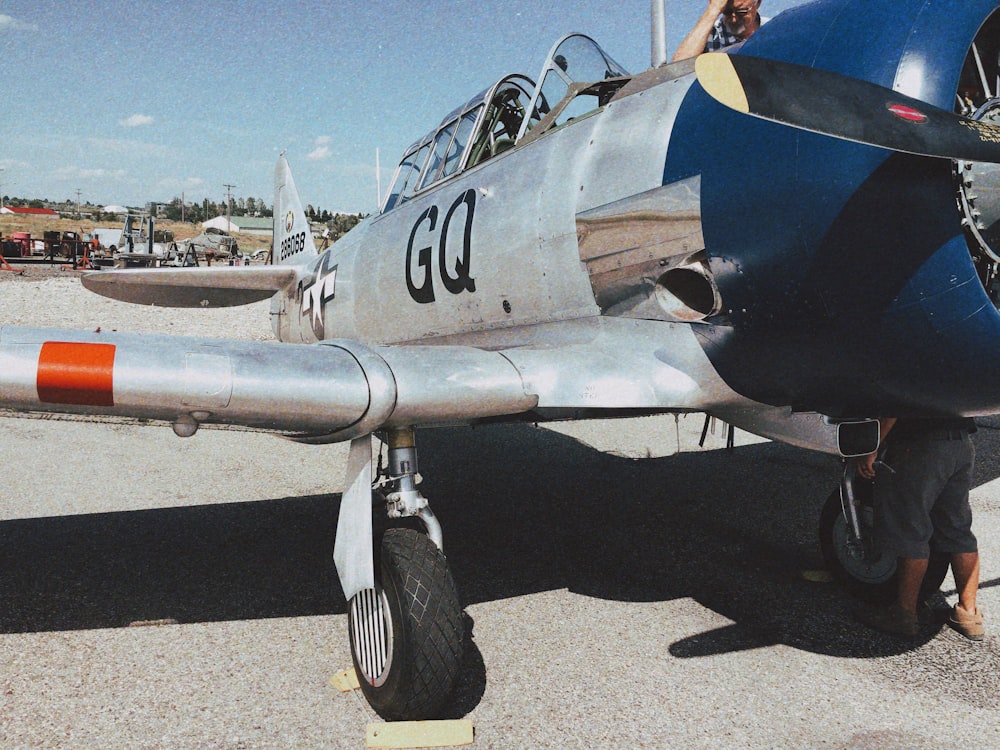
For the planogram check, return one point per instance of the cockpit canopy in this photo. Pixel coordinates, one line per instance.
(576, 71)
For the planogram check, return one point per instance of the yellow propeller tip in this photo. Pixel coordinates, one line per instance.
(718, 77)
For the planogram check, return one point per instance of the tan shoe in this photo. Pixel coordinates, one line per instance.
(969, 624)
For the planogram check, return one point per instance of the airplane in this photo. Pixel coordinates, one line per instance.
(796, 235)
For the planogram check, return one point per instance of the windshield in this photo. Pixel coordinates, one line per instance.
(576, 58)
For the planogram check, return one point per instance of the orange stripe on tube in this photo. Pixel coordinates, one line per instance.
(76, 373)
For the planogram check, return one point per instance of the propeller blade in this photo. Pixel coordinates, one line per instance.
(832, 104)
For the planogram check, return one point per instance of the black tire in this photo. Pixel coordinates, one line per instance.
(872, 578)
(407, 635)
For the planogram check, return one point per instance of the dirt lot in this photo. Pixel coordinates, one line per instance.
(36, 226)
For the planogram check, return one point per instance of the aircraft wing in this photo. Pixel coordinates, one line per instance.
(338, 390)
(192, 287)
(318, 393)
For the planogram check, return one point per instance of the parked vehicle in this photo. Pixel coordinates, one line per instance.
(211, 244)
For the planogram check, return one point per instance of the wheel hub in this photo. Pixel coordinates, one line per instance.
(871, 567)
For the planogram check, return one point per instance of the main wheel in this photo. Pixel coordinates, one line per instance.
(407, 634)
(868, 574)
(871, 575)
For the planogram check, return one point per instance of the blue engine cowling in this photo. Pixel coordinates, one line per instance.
(847, 283)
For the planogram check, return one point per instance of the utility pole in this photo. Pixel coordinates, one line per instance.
(229, 202)
(79, 215)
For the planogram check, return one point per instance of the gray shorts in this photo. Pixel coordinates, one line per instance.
(927, 498)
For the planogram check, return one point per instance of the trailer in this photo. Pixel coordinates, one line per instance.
(68, 245)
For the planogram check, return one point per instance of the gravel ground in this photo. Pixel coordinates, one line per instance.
(624, 587)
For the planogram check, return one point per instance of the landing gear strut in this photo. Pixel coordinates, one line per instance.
(851, 547)
(407, 634)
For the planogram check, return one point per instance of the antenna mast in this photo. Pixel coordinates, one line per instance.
(378, 180)
(229, 203)
(658, 35)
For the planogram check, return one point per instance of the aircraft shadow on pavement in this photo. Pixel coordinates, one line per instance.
(524, 510)
(190, 564)
(731, 529)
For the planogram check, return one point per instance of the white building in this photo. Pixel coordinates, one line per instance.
(242, 225)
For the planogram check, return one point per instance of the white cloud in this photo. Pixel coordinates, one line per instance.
(322, 150)
(12, 24)
(135, 121)
(118, 148)
(6, 164)
(71, 173)
(180, 184)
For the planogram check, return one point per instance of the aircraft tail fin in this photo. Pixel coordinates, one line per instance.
(293, 240)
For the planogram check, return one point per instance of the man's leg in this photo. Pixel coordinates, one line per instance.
(966, 618)
(903, 500)
(900, 617)
(910, 574)
(965, 567)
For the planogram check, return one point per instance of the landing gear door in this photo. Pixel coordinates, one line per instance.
(353, 551)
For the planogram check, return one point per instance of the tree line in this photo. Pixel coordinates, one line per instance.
(338, 224)
(196, 213)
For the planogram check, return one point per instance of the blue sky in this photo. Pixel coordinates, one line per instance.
(139, 101)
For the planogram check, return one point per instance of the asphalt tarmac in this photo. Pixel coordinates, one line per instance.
(623, 588)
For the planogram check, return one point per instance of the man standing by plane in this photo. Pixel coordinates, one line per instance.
(723, 23)
(922, 491)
